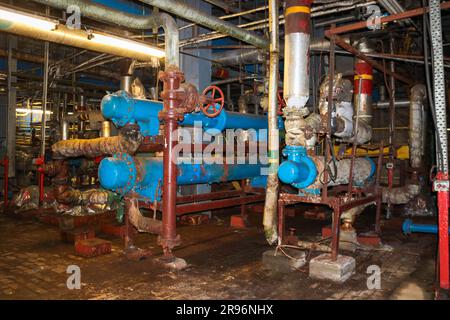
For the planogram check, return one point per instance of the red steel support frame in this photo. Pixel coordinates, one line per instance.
(441, 185)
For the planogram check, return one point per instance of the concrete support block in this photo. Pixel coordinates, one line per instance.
(322, 267)
(281, 263)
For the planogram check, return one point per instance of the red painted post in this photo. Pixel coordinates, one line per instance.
(40, 168)
(441, 186)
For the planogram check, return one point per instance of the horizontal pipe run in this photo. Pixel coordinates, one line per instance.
(123, 109)
(385, 104)
(99, 12)
(144, 175)
(207, 20)
(409, 227)
(226, 120)
(390, 18)
(76, 38)
(218, 204)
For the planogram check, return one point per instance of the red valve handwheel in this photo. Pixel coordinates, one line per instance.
(212, 105)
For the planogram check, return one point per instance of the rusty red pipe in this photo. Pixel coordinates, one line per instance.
(170, 114)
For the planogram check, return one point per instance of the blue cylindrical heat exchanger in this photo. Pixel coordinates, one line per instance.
(144, 175)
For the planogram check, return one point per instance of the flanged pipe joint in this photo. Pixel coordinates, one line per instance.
(299, 170)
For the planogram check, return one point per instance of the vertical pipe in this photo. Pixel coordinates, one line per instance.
(363, 95)
(392, 103)
(377, 188)
(44, 97)
(64, 130)
(296, 52)
(331, 73)
(106, 129)
(169, 188)
(125, 83)
(172, 79)
(44, 111)
(270, 207)
(441, 127)
(390, 165)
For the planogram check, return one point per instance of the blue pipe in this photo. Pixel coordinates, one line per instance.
(144, 175)
(121, 108)
(409, 227)
(299, 170)
(226, 120)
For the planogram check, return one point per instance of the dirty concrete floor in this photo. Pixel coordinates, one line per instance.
(224, 264)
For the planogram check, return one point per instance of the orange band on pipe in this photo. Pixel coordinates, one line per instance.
(364, 77)
(296, 9)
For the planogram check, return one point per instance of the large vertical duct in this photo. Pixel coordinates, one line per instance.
(363, 85)
(296, 68)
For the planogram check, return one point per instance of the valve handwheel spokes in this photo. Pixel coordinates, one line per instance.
(211, 105)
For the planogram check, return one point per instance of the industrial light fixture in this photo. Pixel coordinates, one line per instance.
(114, 41)
(27, 19)
(45, 24)
(33, 111)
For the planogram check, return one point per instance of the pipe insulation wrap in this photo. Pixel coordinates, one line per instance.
(416, 125)
(363, 87)
(296, 53)
(92, 148)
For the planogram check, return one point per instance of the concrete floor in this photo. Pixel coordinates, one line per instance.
(224, 264)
